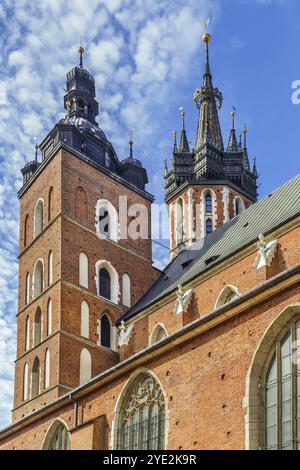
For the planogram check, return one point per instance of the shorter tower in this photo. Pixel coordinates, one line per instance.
(207, 186)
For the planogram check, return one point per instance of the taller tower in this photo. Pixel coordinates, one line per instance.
(208, 186)
(77, 275)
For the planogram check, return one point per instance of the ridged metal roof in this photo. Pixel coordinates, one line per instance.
(263, 217)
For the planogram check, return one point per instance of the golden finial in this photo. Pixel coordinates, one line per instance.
(175, 134)
(131, 141)
(81, 52)
(206, 37)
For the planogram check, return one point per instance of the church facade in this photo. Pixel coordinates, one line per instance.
(115, 354)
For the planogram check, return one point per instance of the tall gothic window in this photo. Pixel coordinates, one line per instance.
(104, 283)
(179, 221)
(50, 203)
(25, 382)
(104, 222)
(37, 327)
(49, 317)
(141, 422)
(47, 369)
(27, 334)
(83, 270)
(209, 226)
(39, 218)
(282, 393)
(50, 268)
(85, 366)
(239, 205)
(26, 230)
(126, 290)
(27, 289)
(105, 331)
(208, 204)
(35, 378)
(38, 278)
(58, 437)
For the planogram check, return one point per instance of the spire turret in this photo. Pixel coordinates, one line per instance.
(208, 123)
(175, 148)
(232, 144)
(184, 145)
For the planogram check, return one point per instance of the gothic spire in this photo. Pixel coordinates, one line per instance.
(245, 150)
(232, 144)
(175, 148)
(254, 171)
(206, 100)
(184, 145)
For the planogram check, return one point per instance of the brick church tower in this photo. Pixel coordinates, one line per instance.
(208, 186)
(76, 274)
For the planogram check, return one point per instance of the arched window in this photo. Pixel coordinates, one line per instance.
(104, 283)
(50, 204)
(208, 203)
(27, 334)
(58, 437)
(227, 294)
(85, 371)
(37, 327)
(141, 418)
(105, 328)
(38, 278)
(25, 382)
(239, 206)
(107, 281)
(209, 226)
(47, 369)
(158, 334)
(179, 221)
(282, 394)
(39, 218)
(126, 290)
(49, 317)
(81, 204)
(35, 378)
(50, 268)
(27, 289)
(107, 223)
(84, 319)
(26, 231)
(83, 270)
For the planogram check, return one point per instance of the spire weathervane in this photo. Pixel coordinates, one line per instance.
(131, 141)
(233, 113)
(81, 52)
(182, 112)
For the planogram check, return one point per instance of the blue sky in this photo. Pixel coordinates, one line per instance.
(147, 58)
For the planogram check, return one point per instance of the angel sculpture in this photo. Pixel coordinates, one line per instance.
(124, 334)
(183, 300)
(266, 252)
